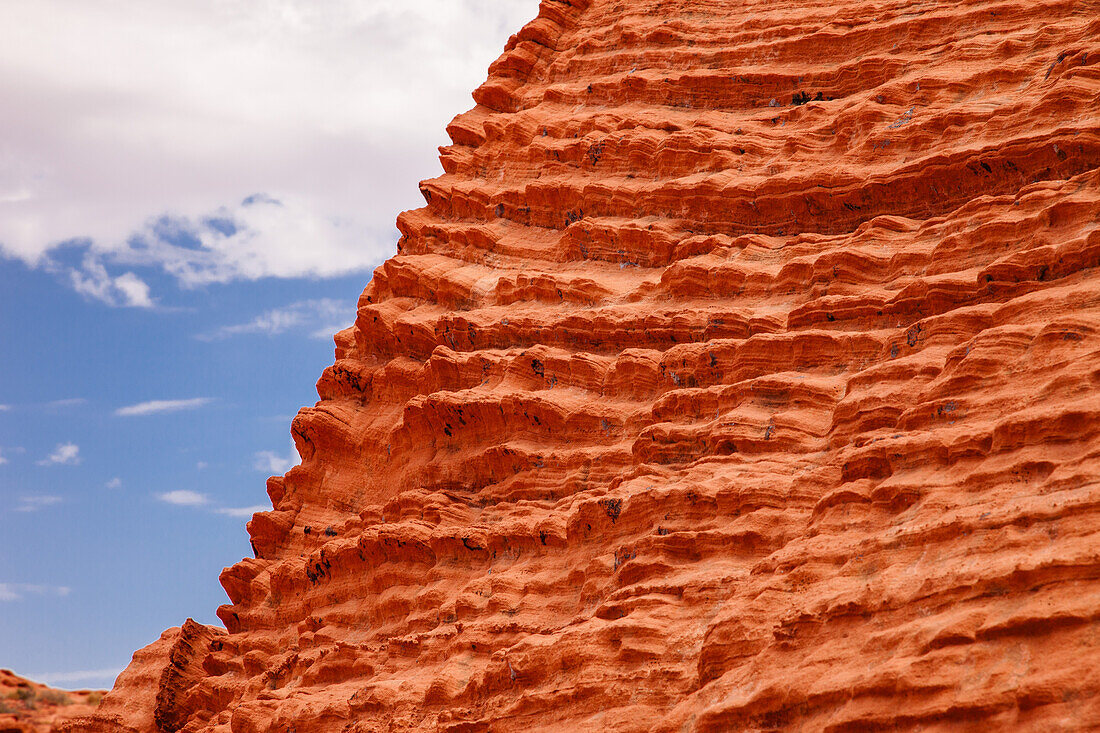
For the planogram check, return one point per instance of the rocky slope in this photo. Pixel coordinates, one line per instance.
(28, 707)
(742, 371)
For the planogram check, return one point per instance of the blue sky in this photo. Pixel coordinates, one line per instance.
(180, 234)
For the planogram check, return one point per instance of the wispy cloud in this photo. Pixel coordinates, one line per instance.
(5, 408)
(19, 591)
(153, 407)
(61, 678)
(68, 402)
(184, 497)
(245, 511)
(187, 498)
(114, 483)
(271, 462)
(322, 317)
(92, 280)
(66, 454)
(34, 503)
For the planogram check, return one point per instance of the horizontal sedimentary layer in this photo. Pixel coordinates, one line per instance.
(741, 371)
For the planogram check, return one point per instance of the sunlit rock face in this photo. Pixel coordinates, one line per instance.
(741, 371)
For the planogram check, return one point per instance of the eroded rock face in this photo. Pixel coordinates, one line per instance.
(741, 371)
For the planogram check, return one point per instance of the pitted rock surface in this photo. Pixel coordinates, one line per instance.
(741, 372)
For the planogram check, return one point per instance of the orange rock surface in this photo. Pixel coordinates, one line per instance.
(742, 371)
(29, 707)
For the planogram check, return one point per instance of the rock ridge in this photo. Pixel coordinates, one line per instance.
(740, 372)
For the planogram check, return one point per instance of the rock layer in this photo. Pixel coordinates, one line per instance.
(740, 372)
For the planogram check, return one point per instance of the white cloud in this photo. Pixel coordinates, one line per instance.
(18, 591)
(139, 131)
(60, 678)
(183, 497)
(70, 402)
(5, 408)
(201, 465)
(271, 462)
(304, 313)
(66, 454)
(114, 483)
(34, 503)
(133, 289)
(93, 281)
(246, 511)
(153, 407)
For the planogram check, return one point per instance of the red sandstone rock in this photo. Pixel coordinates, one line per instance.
(28, 707)
(742, 371)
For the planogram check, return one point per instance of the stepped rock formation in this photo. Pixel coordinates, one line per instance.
(742, 371)
(29, 707)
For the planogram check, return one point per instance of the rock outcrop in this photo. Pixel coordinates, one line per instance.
(30, 707)
(742, 371)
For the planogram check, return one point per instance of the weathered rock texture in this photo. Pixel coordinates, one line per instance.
(742, 371)
(30, 707)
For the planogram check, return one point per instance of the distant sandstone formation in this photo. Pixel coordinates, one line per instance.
(29, 707)
(741, 371)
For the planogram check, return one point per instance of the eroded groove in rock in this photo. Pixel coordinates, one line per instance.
(741, 371)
